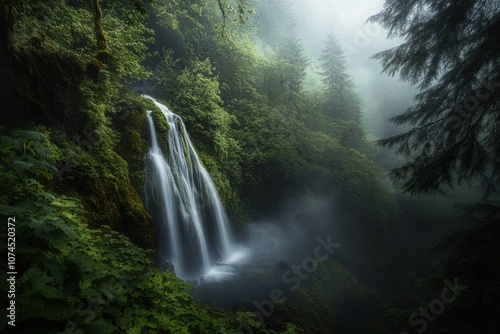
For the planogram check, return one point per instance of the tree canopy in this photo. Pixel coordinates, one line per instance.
(452, 50)
(264, 127)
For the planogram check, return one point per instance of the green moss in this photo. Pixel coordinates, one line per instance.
(99, 30)
(119, 206)
(92, 69)
(162, 127)
(103, 56)
(131, 123)
(100, 179)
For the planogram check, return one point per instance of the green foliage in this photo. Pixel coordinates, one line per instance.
(449, 51)
(284, 155)
(272, 28)
(199, 33)
(341, 100)
(197, 100)
(236, 63)
(328, 292)
(334, 66)
(166, 74)
(471, 254)
(76, 280)
(259, 133)
(293, 65)
(280, 81)
(69, 28)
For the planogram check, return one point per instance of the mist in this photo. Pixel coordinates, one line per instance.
(267, 248)
(382, 96)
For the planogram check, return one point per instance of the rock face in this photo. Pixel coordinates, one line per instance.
(98, 152)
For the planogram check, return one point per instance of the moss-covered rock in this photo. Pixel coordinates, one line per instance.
(162, 127)
(100, 178)
(118, 205)
(130, 121)
(49, 84)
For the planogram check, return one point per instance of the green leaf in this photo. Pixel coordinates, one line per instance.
(99, 327)
(58, 311)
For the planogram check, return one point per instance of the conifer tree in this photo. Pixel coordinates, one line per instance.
(293, 69)
(341, 100)
(451, 49)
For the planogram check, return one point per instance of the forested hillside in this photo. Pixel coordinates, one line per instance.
(280, 133)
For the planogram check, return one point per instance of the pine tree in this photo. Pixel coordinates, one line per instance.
(341, 99)
(334, 66)
(272, 28)
(452, 50)
(291, 55)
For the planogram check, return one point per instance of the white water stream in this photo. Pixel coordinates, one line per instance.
(193, 232)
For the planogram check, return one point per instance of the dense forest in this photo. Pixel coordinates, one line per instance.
(405, 216)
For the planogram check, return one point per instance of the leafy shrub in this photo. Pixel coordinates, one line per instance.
(74, 279)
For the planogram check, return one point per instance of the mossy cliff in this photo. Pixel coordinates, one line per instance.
(99, 151)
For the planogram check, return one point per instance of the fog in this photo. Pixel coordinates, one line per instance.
(269, 247)
(382, 96)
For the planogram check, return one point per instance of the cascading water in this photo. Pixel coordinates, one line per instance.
(193, 232)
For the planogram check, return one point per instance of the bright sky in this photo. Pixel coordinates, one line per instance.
(351, 13)
(360, 40)
(346, 18)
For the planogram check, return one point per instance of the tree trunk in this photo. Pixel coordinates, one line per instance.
(99, 31)
(102, 55)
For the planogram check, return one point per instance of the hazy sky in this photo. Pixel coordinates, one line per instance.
(349, 13)
(347, 19)
(360, 40)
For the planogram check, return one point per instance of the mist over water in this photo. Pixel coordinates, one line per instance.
(266, 249)
(230, 269)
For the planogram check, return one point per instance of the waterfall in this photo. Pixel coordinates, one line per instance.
(193, 232)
